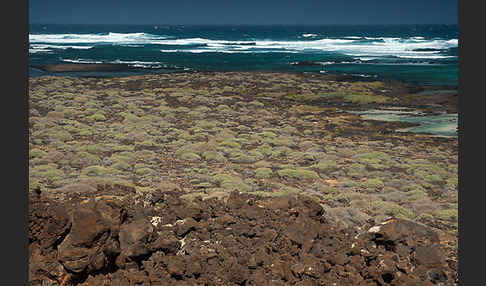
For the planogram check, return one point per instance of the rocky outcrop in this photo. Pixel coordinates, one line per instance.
(306, 63)
(160, 239)
(78, 67)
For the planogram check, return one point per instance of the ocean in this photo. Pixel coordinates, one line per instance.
(416, 54)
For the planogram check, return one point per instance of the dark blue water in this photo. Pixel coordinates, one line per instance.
(422, 54)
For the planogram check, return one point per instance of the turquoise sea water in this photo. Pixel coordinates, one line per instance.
(440, 125)
(421, 54)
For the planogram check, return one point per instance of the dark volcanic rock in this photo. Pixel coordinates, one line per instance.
(83, 247)
(246, 240)
(305, 63)
(85, 67)
(135, 238)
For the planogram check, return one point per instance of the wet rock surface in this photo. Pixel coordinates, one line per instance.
(119, 237)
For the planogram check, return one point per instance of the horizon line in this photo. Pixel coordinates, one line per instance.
(308, 25)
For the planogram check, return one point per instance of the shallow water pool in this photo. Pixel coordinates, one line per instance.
(440, 125)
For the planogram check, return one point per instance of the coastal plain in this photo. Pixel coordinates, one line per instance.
(205, 135)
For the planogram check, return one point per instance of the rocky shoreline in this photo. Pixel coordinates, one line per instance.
(78, 67)
(235, 162)
(114, 236)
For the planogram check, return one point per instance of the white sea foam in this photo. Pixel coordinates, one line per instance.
(384, 47)
(199, 51)
(201, 41)
(424, 57)
(366, 59)
(142, 38)
(398, 48)
(135, 62)
(453, 42)
(309, 35)
(43, 46)
(326, 63)
(354, 46)
(81, 61)
(141, 64)
(34, 51)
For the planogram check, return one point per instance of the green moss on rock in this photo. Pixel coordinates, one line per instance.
(96, 170)
(230, 183)
(298, 174)
(96, 117)
(123, 166)
(83, 159)
(373, 184)
(189, 156)
(391, 209)
(36, 153)
(325, 166)
(231, 144)
(213, 156)
(263, 173)
(49, 172)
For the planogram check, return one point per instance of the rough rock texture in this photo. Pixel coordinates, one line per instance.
(118, 237)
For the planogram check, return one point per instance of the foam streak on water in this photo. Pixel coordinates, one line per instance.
(354, 47)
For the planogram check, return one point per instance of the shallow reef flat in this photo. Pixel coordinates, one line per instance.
(266, 134)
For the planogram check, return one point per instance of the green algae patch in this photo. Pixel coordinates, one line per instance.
(189, 156)
(143, 171)
(126, 157)
(130, 118)
(310, 109)
(284, 190)
(266, 134)
(452, 182)
(213, 156)
(93, 149)
(236, 185)
(256, 103)
(373, 184)
(84, 159)
(281, 141)
(263, 173)
(122, 148)
(85, 132)
(96, 117)
(357, 98)
(60, 135)
(48, 172)
(240, 157)
(450, 214)
(229, 183)
(298, 174)
(36, 153)
(55, 115)
(433, 179)
(147, 144)
(391, 209)
(122, 166)
(231, 144)
(97, 170)
(302, 97)
(417, 194)
(206, 124)
(373, 157)
(325, 166)
(193, 196)
(262, 164)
